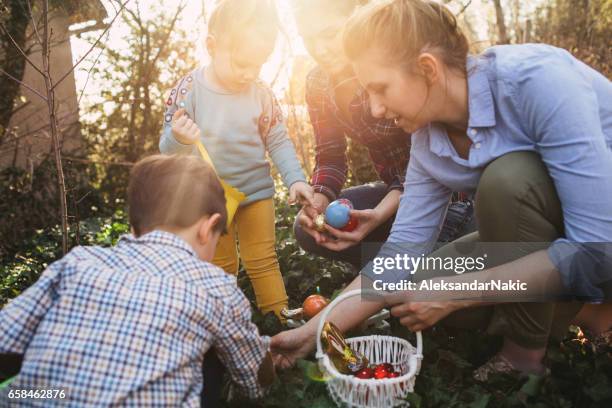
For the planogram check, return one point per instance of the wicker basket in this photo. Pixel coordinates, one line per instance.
(350, 391)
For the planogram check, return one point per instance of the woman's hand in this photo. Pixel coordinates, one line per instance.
(419, 315)
(184, 130)
(308, 213)
(289, 346)
(301, 192)
(367, 220)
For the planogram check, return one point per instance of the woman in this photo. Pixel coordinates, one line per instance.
(339, 109)
(529, 128)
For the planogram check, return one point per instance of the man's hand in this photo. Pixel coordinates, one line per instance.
(308, 213)
(301, 192)
(368, 220)
(289, 346)
(184, 130)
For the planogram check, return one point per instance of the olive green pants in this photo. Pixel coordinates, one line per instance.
(516, 202)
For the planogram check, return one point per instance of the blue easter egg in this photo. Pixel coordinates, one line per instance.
(337, 214)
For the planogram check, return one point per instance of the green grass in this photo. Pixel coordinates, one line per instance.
(580, 378)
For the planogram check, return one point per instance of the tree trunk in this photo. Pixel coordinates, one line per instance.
(12, 61)
(501, 24)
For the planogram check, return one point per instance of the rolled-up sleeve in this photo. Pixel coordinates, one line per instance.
(419, 218)
(570, 138)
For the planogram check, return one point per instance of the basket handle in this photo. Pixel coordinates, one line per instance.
(352, 293)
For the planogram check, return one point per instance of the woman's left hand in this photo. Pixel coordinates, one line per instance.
(367, 220)
(418, 316)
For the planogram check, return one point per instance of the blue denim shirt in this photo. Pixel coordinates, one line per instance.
(529, 97)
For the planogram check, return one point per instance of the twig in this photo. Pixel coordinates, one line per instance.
(34, 22)
(92, 47)
(465, 6)
(21, 51)
(23, 84)
(55, 134)
(89, 72)
(87, 161)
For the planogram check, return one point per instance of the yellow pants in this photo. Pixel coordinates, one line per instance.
(255, 226)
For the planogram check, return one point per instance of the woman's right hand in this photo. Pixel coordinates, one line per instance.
(307, 215)
(184, 130)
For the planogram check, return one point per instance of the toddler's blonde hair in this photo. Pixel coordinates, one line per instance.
(231, 19)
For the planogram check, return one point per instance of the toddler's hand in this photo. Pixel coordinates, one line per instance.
(184, 130)
(302, 192)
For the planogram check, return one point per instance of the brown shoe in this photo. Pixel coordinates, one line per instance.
(602, 343)
(497, 364)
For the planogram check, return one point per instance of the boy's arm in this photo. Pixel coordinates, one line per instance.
(20, 318)
(276, 139)
(242, 350)
(179, 97)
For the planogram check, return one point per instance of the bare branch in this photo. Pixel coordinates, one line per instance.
(180, 9)
(44, 98)
(92, 47)
(34, 22)
(465, 6)
(106, 163)
(89, 72)
(20, 50)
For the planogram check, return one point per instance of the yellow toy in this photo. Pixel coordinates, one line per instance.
(233, 196)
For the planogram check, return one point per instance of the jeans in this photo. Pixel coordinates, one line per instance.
(516, 202)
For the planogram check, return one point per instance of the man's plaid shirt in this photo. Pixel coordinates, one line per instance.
(388, 145)
(129, 326)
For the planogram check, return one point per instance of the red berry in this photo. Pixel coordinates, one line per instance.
(365, 373)
(380, 373)
(393, 374)
(386, 366)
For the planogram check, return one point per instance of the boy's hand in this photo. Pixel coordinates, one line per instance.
(289, 346)
(301, 192)
(184, 130)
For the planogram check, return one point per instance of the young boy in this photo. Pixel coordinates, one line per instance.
(130, 325)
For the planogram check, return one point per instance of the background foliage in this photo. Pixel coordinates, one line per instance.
(123, 122)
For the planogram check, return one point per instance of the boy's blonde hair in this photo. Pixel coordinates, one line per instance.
(173, 192)
(231, 19)
(404, 29)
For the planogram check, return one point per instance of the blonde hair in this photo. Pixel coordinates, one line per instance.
(340, 7)
(230, 19)
(404, 29)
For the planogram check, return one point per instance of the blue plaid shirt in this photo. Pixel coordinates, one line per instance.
(129, 326)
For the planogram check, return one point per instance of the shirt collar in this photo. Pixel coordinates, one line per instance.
(159, 238)
(481, 105)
